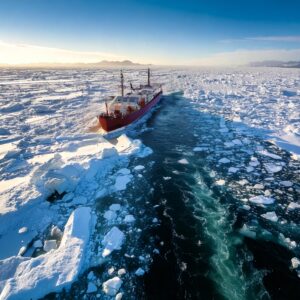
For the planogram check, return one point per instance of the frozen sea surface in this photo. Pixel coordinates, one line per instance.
(199, 201)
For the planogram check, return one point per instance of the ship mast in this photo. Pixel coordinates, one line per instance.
(148, 76)
(122, 84)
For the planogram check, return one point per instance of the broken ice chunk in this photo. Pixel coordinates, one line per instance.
(139, 272)
(243, 182)
(139, 168)
(220, 182)
(258, 186)
(293, 205)
(183, 161)
(22, 250)
(272, 168)
(38, 244)
(112, 286)
(92, 288)
(113, 240)
(262, 200)
(119, 296)
(115, 207)
(129, 219)
(237, 142)
(286, 183)
(267, 153)
(233, 170)
(23, 230)
(224, 160)
(245, 230)
(200, 149)
(49, 245)
(229, 144)
(122, 181)
(91, 275)
(295, 262)
(121, 272)
(110, 215)
(271, 215)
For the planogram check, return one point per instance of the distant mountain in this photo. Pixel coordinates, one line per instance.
(274, 63)
(101, 64)
(124, 63)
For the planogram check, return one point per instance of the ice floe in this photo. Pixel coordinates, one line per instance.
(57, 269)
(272, 168)
(183, 161)
(268, 154)
(286, 183)
(139, 272)
(110, 215)
(112, 286)
(129, 219)
(295, 262)
(262, 200)
(271, 215)
(139, 168)
(92, 288)
(113, 240)
(224, 160)
(122, 181)
(220, 182)
(293, 205)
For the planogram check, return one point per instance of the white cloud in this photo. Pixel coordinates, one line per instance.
(271, 38)
(28, 54)
(241, 57)
(283, 38)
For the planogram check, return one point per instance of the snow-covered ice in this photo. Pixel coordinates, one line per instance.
(33, 278)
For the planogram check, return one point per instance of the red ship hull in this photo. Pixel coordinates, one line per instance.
(109, 123)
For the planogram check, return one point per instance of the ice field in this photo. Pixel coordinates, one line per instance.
(198, 200)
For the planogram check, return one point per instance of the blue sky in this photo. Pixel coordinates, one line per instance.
(163, 32)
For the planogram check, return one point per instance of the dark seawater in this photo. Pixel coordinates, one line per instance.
(202, 254)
